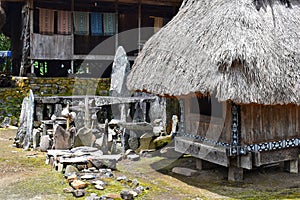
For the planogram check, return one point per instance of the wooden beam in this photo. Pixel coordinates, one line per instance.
(206, 152)
(13, 0)
(99, 57)
(269, 157)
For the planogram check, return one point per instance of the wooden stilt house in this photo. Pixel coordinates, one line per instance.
(234, 66)
(57, 36)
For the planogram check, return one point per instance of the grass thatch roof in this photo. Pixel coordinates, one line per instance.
(241, 50)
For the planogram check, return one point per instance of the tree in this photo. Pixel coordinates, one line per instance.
(4, 43)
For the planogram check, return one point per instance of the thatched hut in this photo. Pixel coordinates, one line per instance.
(242, 59)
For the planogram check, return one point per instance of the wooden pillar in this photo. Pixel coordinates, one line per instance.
(139, 26)
(291, 166)
(199, 164)
(182, 117)
(72, 47)
(117, 24)
(31, 9)
(235, 173)
(72, 66)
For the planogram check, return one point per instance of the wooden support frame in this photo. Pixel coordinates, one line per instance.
(209, 153)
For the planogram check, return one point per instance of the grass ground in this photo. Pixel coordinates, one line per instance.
(24, 175)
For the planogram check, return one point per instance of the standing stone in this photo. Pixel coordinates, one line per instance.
(118, 88)
(84, 137)
(29, 120)
(36, 138)
(39, 112)
(120, 71)
(61, 138)
(133, 141)
(158, 110)
(45, 143)
(138, 114)
(102, 141)
(24, 133)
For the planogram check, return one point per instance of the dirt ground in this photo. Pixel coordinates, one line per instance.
(24, 175)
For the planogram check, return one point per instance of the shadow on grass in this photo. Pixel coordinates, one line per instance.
(269, 182)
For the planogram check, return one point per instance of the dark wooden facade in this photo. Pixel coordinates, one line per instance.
(240, 136)
(131, 17)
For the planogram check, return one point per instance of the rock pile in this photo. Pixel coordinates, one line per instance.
(86, 169)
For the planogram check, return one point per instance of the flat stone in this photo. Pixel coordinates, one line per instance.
(134, 193)
(133, 157)
(105, 161)
(184, 171)
(93, 169)
(88, 177)
(71, 169)
(99, 187)
(121, 178)
(110, 157)
(113, 196)
(99, 182)
(56, 153)
(78, 184)
(101, 163)
(104, 171)
(84, 149)
(169, 152)
(93, 196)
(75, 160)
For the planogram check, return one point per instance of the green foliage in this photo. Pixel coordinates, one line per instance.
(4, 42)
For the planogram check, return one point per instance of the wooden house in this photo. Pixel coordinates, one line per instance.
(56, 36)
(234, 66)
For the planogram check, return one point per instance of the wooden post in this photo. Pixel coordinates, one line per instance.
(291, 166)
(139, 26)
(182, 121)
(117, 24)
(31, 9)
(72, 64)
(199, 164)
(235, 173)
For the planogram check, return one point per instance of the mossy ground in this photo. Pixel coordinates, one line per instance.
(24, 175)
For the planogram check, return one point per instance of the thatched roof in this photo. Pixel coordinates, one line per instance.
(246, 51)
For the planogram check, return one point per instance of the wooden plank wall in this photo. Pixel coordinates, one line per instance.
(261, 123)
(51, 47)
(215, 128)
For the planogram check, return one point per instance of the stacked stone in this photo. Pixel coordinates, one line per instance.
(11, 98)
